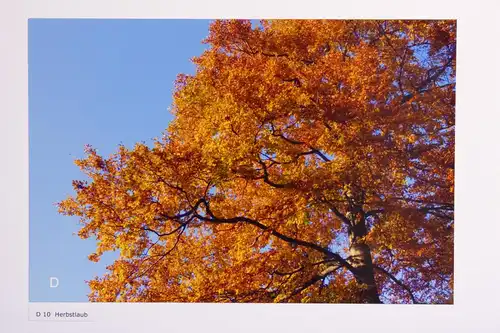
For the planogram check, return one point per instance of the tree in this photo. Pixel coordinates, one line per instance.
(308, 161)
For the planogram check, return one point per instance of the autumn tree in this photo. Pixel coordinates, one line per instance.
(308, 161)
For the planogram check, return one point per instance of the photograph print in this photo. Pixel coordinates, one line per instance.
(242, 161)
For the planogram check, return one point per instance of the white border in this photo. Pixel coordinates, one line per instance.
(476, 264)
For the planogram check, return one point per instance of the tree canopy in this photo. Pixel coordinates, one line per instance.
(308, 161)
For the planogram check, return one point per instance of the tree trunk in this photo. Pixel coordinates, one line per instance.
(361, 260)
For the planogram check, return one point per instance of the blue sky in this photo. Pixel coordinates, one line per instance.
(98, 82)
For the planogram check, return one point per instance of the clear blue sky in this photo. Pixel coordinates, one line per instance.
(98, 82)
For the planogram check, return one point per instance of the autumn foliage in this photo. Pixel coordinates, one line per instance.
(308, 161)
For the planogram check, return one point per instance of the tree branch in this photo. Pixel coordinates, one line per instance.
(266, 179)
(211, 218)
(183, 224)
(312, 281)
(295, 142)
(398, 282)
(422, 88)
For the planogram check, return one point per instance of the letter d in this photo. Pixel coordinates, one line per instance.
(54, 282)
